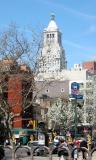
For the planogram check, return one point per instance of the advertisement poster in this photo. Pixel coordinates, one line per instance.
(41, 139)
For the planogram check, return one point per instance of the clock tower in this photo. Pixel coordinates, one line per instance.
(52, 57)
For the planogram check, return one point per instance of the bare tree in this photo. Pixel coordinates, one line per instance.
(18, 54)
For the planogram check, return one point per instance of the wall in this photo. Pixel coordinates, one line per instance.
(15, 98)
(91, 66)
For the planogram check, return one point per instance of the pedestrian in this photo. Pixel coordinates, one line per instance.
(74, 153)
(63, 149)
(2, 154)
(3, 135)
(84, 144)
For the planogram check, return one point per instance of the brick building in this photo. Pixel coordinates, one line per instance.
(15, 99)
(17, 84)
(90, 66)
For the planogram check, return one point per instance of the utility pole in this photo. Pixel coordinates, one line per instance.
(74, 103)
(76, 120)
(74, 92)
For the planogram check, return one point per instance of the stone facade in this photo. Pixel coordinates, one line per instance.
(52, 55)
(52, 89)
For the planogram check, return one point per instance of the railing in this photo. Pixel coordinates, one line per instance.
(88, 153)
(27, 151)
(66, 149)
(42, 148)
(16, 153)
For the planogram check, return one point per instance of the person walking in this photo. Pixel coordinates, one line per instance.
(2, 138)
(74, 153)
(84, 144)
(63, 150)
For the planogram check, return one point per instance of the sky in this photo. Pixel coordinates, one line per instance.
(76, 20)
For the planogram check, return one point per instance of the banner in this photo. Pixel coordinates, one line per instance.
(74, 88)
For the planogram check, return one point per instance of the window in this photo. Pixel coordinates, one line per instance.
(47, 90)
(47, 35)
(88, 84)
(52, 35)
(62, 89)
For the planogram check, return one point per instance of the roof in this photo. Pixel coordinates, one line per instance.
(52, 24)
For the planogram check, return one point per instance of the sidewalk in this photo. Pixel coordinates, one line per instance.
(40, 158)
(54, 158)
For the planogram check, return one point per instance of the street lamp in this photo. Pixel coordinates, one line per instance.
(74, 93)
(74, 103)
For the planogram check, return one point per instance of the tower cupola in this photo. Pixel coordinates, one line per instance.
(52, 24)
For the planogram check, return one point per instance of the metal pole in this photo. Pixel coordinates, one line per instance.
(75, 110)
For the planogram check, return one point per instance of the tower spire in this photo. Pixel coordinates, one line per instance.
(52, 16)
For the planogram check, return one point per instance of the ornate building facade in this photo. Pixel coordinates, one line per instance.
(52, 55)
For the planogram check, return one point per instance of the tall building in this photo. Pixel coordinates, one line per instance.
(52, 55)
(53, 70)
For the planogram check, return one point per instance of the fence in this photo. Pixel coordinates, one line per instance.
(26, 153)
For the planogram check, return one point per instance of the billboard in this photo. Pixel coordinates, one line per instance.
(75, 93)
(75, 88)
(41, 139)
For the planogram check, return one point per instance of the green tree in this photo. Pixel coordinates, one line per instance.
(62, 113)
